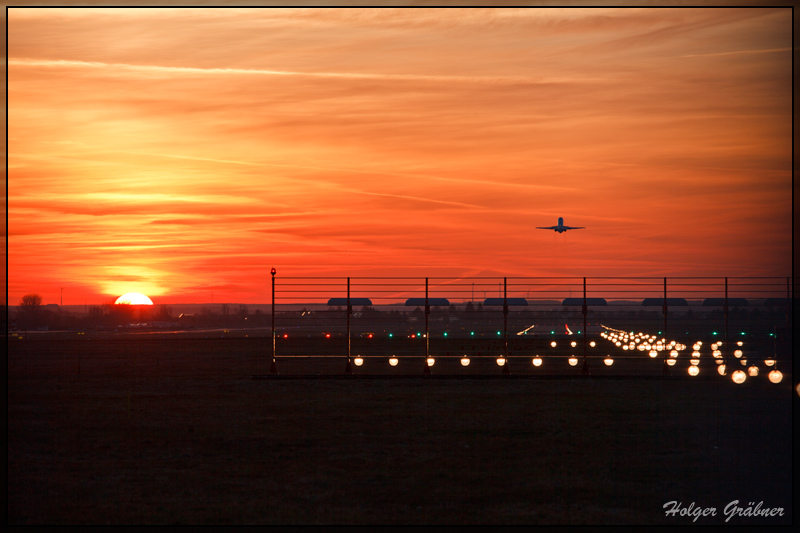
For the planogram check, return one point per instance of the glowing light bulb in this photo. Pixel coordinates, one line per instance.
(358, 361)
(393, 361)
(592, 344)
(775, 377)
(430, 361)
(693, 370)
(769, 362)
(671, 362)
(553, 344)
(501, 361)
(739, 376)
(737, 353)
(721, 370)
(608, 361)
(465, 361)
(752, 371)
(537, 361)
(573, 361)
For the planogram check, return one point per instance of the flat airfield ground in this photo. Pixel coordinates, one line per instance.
(176, 431)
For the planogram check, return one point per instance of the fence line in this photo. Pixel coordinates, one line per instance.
(394, 290)
(520, 317)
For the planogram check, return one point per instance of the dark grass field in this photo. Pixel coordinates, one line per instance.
(149, 431)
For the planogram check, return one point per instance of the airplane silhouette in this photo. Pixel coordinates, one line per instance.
(561, 228)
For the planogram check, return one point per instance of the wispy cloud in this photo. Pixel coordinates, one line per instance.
(172, 70)
(736, 52)
(194, 158)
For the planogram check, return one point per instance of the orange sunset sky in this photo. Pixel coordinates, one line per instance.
(184, 152)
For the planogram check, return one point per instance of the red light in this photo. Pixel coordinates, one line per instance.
(327, 335)
(413, 336)
(370, 335)
(286, 336)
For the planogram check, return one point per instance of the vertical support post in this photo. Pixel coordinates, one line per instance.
(665, 308)
(585, 363)
(788, 303)
(427, 369)
(725, 345)
(665, 371)
(427, 312)
(273, 369)
(775, 344)
(776, 332)
(506, 370)
(348, 369)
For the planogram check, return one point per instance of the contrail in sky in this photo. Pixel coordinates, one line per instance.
(742, 52)
(364, 171)
(268, 72)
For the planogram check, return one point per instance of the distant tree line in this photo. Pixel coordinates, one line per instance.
(31, 314)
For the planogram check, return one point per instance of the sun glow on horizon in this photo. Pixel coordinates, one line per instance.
(133, 298)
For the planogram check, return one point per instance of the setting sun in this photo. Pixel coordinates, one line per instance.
(134, 298)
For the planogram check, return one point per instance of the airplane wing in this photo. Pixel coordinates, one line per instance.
(549, 227)
(574, 227)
